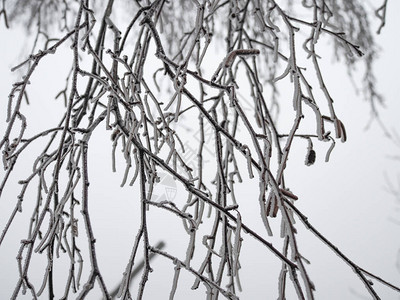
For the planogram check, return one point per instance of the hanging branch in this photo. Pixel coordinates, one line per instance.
(210, 127)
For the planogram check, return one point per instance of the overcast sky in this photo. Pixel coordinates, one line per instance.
(345, 199)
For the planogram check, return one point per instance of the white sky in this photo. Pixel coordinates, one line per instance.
(345, 198)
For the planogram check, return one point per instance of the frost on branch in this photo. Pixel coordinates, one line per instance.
(148, 72)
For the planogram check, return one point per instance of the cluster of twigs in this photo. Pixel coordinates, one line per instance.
(260, 39)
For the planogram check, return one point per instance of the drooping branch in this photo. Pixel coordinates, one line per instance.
(235, 102)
